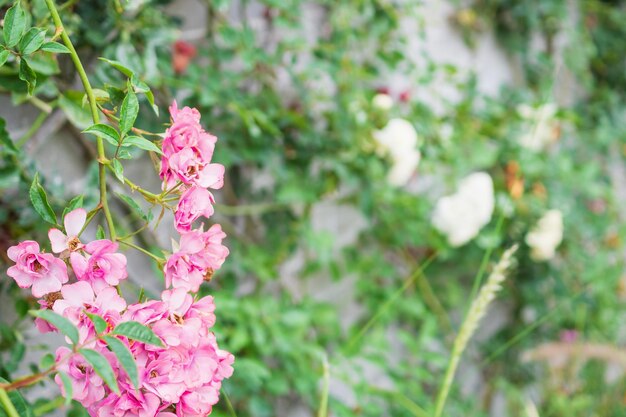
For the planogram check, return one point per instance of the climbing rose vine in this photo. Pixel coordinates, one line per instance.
(176, 367)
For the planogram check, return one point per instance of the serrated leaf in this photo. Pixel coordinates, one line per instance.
(137, 331)
(67, 387)
(21, 406)
(100, 232)
(74, 203)
(105, 132)
(98, 323)
(4, 55)
(102, 367)
(14, 25)
(32, 40)
(129, 111)
(27, 75)
(125, 357)
(64, 325)
(119, 66)
(39, 199)
(135, 207)
(55, 47)
(141, 143)
(118, 169)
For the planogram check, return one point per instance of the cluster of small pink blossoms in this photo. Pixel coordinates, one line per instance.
(182, 378)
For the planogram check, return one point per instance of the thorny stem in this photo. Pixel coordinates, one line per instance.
(93, 106)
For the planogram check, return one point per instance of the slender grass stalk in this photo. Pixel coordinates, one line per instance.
(229, 405)
(7, 404)
(93, 106)
(387, 304)
(470, 324)
(323, 410)
(49, 406)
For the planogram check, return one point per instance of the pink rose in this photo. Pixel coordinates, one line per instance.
(129, 404)
(194, 203)
(199, 255)
(187, 152)
(103, 268)
(73, 222)
(198, 403)
(87, 386)
(41, 271)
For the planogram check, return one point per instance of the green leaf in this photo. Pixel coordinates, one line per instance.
(47, 361)
(5, 140)
(141, 143)
(64, 325)
(39, 199)
(4, 55)
(137, 331)
(55, 47)
(129, 111)
(102, 367)
(119, 66)
(100, 233)
(125, 357)
(74, 203)
(105, 132)
(21, 406)
(118, 169)
(135, 207)
(14, 24)
(142, 87)
(67, 387)
(98, 323)
(27, 75)
(32, 40)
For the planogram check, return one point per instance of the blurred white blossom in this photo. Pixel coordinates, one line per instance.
(542, 127)
(399, 140)
(546, 236)
(460, 216)
(382, 101)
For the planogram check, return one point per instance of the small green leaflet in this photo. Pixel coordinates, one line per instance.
(102, 367)
(100, 232)
(39, 199)
(118, 169)
(27, 75)
(4, 55)
(119, 66)
(64, 325)
(105, 132)
(14, 24)
(125, 357)
(137, 331)
(98, 322)
(74, 203)
(135, 207)
(67, 387)
(32, 41)
(129, 111)
(141, 143)
(55, 47)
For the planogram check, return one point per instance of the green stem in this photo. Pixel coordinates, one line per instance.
(7, 404)
(93, 106)
(32, 130)
(323, 410)
(140, 249)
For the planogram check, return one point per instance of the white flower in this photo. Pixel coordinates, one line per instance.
(546, 236)
(382, 101)
(460, 216)
(542, 128)
(399, 140)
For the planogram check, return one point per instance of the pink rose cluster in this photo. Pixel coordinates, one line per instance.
(181, 378)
